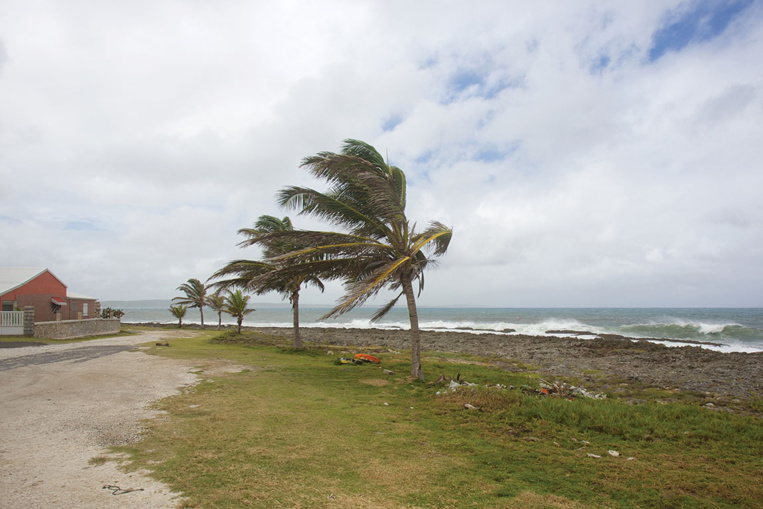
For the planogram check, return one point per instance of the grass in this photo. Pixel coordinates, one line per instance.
(291, 428)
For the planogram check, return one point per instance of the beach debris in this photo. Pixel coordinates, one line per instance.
(364, 357)
(630, 458)
(344, 360)
(165, 343)
(591, 455)
(329, 352)
(386, 404)
(562, 390)
(388, 372)
(613, 453)
(470, 407)
(116, 490)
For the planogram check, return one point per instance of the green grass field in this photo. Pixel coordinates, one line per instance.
(294, 429)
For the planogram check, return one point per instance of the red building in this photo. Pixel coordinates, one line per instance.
(41, 289)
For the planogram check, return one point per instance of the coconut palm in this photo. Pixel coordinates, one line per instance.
(178, 312)
(378, 247)
(246, 272)
(195, 296)
(217, 303)
(236, 305)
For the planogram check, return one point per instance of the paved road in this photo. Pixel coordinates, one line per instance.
(80, 354)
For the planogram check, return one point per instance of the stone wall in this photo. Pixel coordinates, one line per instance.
(29, 321)
(71, 329)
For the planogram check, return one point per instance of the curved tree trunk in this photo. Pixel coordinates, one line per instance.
(219, 320)
(413, 315)
(201, 311)
(295, 316)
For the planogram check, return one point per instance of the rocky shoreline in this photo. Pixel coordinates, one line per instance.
(596, 362)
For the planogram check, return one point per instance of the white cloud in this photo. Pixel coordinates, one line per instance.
(136, 139)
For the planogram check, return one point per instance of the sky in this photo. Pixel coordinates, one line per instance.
(586, 154)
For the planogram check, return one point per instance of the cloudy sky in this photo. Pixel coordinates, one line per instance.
(600, 153)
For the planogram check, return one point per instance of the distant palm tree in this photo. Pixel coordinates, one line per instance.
(380, 248)
(178, 312)
(195, 296)
(246, 272)
(217, 303)
(236, 305)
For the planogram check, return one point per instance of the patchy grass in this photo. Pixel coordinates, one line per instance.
(293, 429)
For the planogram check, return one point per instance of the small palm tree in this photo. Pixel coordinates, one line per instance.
(236, 305)
(377, 247)
(178, 311)
(195, 296)
(217, 303)
(246, 272)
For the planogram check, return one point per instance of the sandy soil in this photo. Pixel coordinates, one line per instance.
(62, 405)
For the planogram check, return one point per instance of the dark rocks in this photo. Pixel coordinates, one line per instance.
(689, 367)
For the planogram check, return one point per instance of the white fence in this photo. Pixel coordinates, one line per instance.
(11, 323)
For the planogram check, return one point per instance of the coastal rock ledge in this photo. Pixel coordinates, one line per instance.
(688, 368)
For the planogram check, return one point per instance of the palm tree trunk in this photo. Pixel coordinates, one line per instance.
(219, 320)
(413, 315)
(240, 319)
(295, 316)
(201, 311)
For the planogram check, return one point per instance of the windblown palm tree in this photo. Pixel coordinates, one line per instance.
(236, 305)
(217, 303)
(378, 249)
(195, 296)
(247, 272)
(178, 312)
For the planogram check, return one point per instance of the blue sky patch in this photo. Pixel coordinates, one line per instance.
(600, 64)
(465, 79)
(704, 21)
(391, 122)
(425, 157)
(479, 84)
(490, 155)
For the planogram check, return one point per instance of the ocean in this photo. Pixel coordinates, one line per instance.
(735, 329)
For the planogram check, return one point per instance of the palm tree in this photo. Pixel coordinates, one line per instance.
(378, 249)
(178, 312)
(236, 305)
(195, 296)
(248, 271)
(217, 303)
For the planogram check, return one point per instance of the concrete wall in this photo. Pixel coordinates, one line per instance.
(70, 329)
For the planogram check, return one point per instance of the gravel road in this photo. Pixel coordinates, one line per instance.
(62, 405)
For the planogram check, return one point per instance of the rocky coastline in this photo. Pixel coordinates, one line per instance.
(602, 360)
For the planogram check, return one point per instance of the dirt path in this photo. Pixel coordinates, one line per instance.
(62, 405)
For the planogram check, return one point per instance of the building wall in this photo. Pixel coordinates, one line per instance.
(43, 308)
(44, 283)
(76, 309)
(39, 293)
